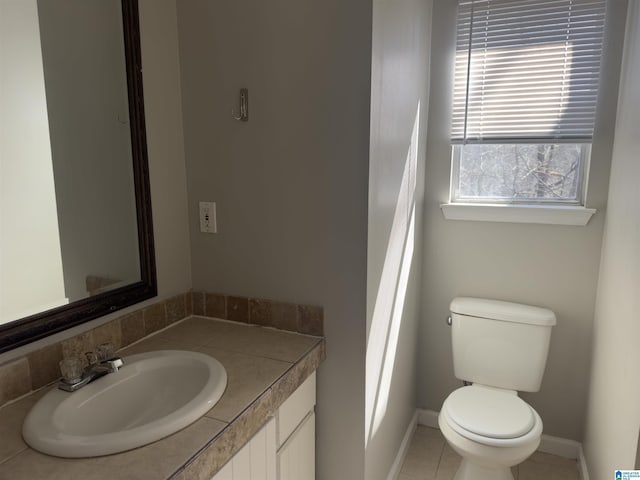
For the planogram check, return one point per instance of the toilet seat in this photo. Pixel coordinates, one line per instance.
(491, 416)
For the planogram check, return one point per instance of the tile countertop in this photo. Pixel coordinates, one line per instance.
(264, 366)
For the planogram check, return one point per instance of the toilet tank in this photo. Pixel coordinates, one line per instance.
(500, 344)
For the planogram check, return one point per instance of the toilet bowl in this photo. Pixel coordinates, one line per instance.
(491, 429)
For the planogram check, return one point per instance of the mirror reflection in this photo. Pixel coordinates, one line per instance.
(68, 220)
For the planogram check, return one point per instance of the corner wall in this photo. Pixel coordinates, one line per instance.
(399, 107)
(291, 183)
(613, 414)
(547, 265)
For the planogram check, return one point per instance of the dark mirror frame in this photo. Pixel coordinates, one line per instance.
(34, 327)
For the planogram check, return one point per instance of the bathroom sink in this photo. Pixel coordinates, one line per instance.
(153, 395)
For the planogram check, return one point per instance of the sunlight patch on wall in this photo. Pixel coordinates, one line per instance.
(391, 294)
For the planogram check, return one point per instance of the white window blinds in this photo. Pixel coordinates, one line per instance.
(527, 70)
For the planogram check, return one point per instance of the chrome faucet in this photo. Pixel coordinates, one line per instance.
(75, 377)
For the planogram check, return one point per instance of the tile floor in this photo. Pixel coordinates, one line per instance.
(430, 458)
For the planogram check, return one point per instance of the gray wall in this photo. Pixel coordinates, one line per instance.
(399, 106)
(613, 416)
(547, 265)
(290, 184)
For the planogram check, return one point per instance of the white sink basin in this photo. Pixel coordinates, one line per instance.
(153, 395)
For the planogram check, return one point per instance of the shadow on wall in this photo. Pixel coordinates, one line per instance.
(391, 294)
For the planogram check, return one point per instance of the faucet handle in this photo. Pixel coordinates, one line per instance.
(92, 358)
(71, 369)
(105, 351)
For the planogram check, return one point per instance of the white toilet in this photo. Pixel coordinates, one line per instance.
(501, 348)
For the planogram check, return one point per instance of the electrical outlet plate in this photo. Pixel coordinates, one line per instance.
(208, 221)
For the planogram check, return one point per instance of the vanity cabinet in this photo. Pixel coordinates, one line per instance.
(256, 460)
(284, 449)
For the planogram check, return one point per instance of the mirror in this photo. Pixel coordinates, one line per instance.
(76, 236)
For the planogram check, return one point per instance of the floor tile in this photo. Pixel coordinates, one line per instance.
(423, 456)
(550, 470)
(555, 460)
(449, 463)
(430, 458)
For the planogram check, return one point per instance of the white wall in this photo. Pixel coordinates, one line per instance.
(399, 106)
(31, 275)
(291, 183)
(163, 110)
(547, 265)
(613, 415)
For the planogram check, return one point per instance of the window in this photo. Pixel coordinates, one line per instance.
(525, 92)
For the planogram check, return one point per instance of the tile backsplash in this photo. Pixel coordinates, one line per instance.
(37, 369)
(268, 313)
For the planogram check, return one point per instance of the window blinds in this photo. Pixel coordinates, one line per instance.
(527, 70)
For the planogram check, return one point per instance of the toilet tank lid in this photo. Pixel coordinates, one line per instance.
(505, 311)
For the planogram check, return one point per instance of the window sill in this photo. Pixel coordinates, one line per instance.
(545, 214)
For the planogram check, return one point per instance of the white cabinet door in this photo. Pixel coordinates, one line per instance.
(256, 460)
(296, 458)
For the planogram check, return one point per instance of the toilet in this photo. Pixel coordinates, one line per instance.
(499, 349)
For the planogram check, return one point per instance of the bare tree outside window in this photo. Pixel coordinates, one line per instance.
(520, 172)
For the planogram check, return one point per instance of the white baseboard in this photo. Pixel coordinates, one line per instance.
(428, 418)
(404, 448)
(561, 447)
(582, 465)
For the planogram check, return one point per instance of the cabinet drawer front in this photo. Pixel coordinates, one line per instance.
(296, 408)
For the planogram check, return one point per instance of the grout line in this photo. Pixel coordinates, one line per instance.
(440, 458)
(14, 455)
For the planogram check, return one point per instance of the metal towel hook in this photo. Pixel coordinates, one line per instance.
(244, 106)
